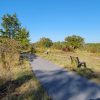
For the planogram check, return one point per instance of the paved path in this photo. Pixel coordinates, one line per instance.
(63, 85)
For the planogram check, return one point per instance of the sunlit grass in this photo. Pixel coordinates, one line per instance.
(24, 85)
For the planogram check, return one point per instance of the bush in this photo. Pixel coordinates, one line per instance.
(74, 41)
(67, 49)
(57, 45)
(93, 47)
(9, 49)
(44, 42)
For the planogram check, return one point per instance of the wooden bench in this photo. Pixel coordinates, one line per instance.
(77, 63)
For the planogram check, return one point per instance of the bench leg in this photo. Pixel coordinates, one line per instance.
(85, 65)
(81, 64)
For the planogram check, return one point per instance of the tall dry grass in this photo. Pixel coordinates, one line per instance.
(17, 80)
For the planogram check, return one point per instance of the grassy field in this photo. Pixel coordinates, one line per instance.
(63, 59)
(23, 84)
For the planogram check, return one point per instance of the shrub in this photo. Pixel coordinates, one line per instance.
(75, 41)
(44, 42)
(8, 53)
(57, 45)
(93, 47)
(67, 49)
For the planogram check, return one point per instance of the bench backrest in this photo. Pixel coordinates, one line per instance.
(74, 60)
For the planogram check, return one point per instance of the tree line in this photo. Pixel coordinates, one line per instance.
(70, 42)
(12, 29)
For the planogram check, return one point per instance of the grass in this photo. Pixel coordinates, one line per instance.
(22, 86)
(63, 59)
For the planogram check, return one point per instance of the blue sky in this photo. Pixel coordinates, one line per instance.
(56, 19)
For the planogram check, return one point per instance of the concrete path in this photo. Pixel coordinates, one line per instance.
(63, 85)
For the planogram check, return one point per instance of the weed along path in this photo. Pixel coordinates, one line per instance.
(63, 85)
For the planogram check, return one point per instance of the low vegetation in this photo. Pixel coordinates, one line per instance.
(22, 86)
(17, 81)
(93, 47)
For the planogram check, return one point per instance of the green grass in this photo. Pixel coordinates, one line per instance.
(24, 85)
(63, 59)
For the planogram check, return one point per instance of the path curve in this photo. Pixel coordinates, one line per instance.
(63, 85)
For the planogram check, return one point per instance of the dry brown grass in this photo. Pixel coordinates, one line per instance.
(17, 81)
(24, 85)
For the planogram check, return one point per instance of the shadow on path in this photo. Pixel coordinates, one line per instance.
(27, 56)
(62, 85)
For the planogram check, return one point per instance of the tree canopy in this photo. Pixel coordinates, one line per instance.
(11, 25)
(11, 28)
(45, 42)
(74, 41)
(23, 37)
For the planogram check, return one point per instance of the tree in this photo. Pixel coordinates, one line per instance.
(23, 37)
(45, 42)
(11, 25)
(74, 41)
(13, 30)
